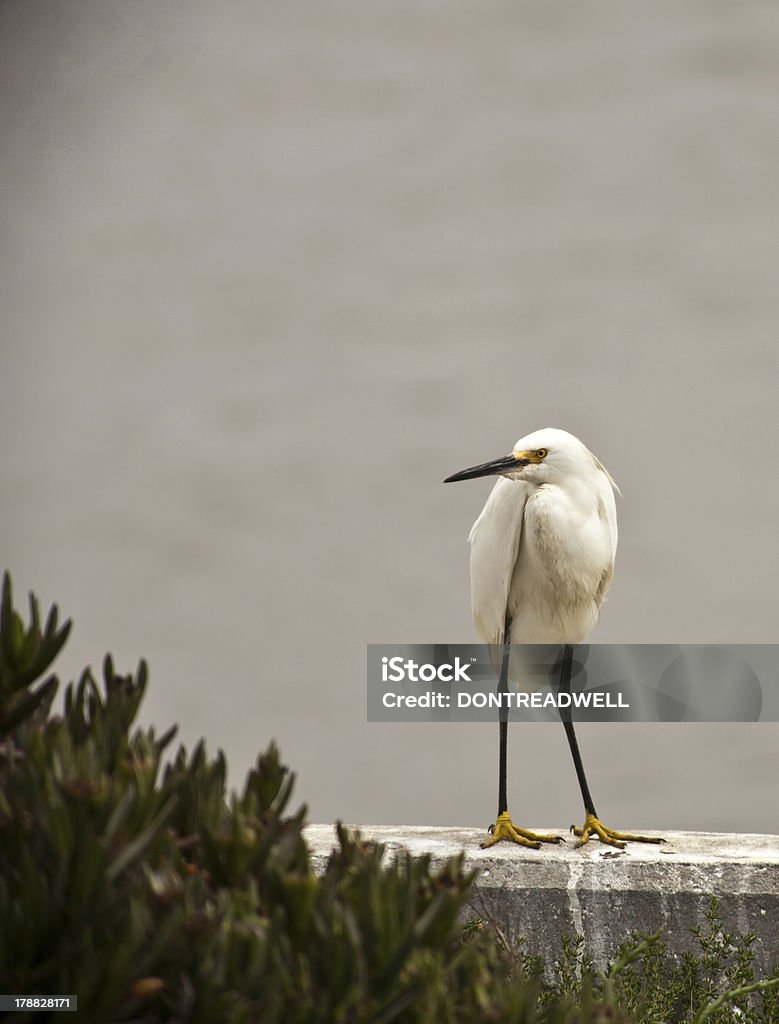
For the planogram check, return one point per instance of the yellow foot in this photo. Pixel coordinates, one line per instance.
(593, 827)
(504, 828)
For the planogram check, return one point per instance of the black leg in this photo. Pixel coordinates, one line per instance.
(503, 720)
(504, 827)
(565, 715)
(592, 826)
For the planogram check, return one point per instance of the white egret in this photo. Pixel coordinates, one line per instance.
(542, 559)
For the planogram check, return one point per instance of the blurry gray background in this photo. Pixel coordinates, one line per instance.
(270, 272)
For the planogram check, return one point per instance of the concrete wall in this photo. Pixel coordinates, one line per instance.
(601, 893)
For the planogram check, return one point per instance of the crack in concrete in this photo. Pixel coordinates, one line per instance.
(575, 869)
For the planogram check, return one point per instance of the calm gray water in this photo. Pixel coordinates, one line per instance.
(270, 272)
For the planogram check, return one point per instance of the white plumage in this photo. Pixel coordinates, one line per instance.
(543, 548)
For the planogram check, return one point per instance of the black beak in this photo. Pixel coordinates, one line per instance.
(494, 468)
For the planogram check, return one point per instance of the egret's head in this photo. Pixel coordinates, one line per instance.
(545, 456)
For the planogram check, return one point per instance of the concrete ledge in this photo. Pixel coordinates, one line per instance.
(604, 894)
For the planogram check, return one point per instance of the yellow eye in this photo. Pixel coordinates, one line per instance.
(541, 453)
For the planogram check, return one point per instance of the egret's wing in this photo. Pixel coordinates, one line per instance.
(607, 512)
(494, 541)
(603, 586)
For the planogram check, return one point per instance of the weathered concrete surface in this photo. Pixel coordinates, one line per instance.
(602, 893)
